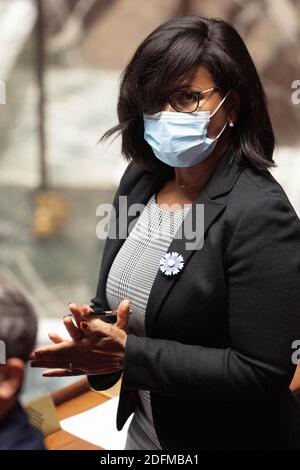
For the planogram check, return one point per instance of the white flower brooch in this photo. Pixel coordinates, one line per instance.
(171, 263)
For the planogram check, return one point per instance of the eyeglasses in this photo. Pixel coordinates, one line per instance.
(187, 101)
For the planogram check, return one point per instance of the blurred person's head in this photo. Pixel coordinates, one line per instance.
(18, 329)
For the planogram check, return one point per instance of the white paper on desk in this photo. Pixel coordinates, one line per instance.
(98, 426)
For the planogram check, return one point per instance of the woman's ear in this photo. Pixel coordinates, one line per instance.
(12, 376)
(233, 106)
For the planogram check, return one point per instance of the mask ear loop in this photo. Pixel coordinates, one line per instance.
(222, 130)
(220, 104)
(218, 107)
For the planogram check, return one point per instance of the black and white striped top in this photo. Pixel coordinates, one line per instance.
(131, 276)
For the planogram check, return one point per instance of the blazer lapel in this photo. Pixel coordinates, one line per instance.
(163, 284)
(140, 194)
(220, 182)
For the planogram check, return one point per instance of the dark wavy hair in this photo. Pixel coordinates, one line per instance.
(160, 65)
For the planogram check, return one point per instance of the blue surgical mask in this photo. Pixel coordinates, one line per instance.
(180, 139)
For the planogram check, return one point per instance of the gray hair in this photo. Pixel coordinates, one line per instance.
(18, 322)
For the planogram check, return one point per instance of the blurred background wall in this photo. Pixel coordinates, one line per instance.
(59, 71)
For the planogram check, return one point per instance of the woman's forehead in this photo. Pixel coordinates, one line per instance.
(198, 77)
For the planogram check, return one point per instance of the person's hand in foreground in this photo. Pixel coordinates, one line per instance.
(96, 347)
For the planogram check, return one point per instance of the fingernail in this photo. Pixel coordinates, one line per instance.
(72, 302)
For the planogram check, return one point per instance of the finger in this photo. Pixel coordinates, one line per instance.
(62, 351)
(74, 307)
(79, 311)
(123, 314)
(51, 364)
(73, 331)
(95, 327)
(62, 373)
(55, 338)
(83, 309)
(76, 310)
(86, 309)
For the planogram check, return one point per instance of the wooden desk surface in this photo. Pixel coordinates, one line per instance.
(62, 440)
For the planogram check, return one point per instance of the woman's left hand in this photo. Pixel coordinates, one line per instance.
(100, 351)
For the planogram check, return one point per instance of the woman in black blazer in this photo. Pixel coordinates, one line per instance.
(219, 351)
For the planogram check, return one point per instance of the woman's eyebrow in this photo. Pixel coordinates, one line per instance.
(191, 87)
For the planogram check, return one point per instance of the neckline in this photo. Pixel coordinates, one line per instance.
(165, 211)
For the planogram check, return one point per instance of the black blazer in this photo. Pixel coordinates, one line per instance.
(217, 357)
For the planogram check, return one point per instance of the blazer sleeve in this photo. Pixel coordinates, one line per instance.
(263, 275)
(105, 381)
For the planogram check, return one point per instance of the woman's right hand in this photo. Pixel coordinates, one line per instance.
(81, 313)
